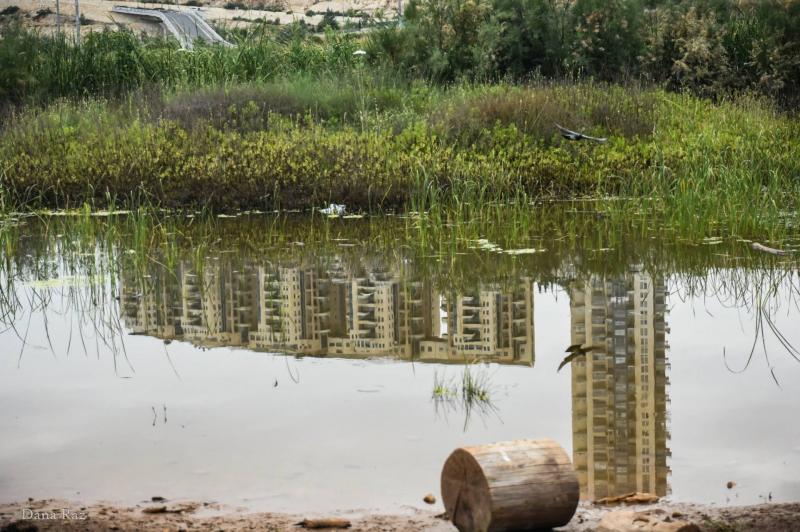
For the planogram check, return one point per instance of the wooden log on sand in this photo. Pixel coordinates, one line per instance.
(514, 485)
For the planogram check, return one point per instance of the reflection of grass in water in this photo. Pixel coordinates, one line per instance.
(765, 304)
(472, 392)
(72, 258)
(146, 249)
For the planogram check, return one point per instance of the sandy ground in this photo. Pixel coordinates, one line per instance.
(175, 516)
(99, 16)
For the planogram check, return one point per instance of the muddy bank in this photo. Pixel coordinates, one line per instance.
(168, 515)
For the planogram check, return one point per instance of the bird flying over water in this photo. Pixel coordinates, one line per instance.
(574, 135)
(575, 350)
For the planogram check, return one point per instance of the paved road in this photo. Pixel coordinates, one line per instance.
(186, 26)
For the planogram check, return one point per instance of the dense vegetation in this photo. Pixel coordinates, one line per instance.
(708, 46)
(711, 47)
(455, 107)
(372, 145)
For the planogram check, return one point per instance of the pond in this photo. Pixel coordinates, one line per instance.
(287, 362)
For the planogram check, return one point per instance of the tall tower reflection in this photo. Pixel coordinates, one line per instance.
(619, 400)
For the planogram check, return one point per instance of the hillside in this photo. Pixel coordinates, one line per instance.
(97, 15)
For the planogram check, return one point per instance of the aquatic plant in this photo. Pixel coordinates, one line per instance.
(463, 152)
(469, 394)
(442, 388)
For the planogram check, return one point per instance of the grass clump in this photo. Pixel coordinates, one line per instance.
(472, 387)
(470, 393)
(247, 107)
(534, 109)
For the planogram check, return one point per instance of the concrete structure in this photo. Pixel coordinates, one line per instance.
(186, 26)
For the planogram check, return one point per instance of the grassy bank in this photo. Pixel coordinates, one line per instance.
(377, 144)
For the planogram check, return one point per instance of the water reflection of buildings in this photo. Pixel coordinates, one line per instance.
(619, 411)
(361, 312)
(619, 389)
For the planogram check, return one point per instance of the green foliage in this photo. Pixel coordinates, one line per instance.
(709, 47)
(109, 63)
(328, 22)
(374, 144)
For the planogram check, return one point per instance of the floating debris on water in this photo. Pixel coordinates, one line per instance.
(333, 210)
(484, 244)
(523, 251)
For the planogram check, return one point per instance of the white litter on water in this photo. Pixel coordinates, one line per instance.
(333, 209)
(523, 251)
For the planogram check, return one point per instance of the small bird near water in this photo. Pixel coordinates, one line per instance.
(574, 135)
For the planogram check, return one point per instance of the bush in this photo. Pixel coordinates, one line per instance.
(41, 13)
(328, 22)
(261, 6)
(710, 47)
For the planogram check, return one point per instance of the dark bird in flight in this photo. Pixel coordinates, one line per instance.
(575, 350)
(574, 135)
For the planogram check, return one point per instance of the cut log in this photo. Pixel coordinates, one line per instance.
(514, 485)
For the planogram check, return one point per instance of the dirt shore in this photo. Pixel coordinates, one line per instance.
(52, 514)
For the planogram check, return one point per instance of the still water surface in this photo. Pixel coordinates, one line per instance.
(330, 377)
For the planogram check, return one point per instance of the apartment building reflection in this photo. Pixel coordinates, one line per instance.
(357, 311)
(619, 389)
